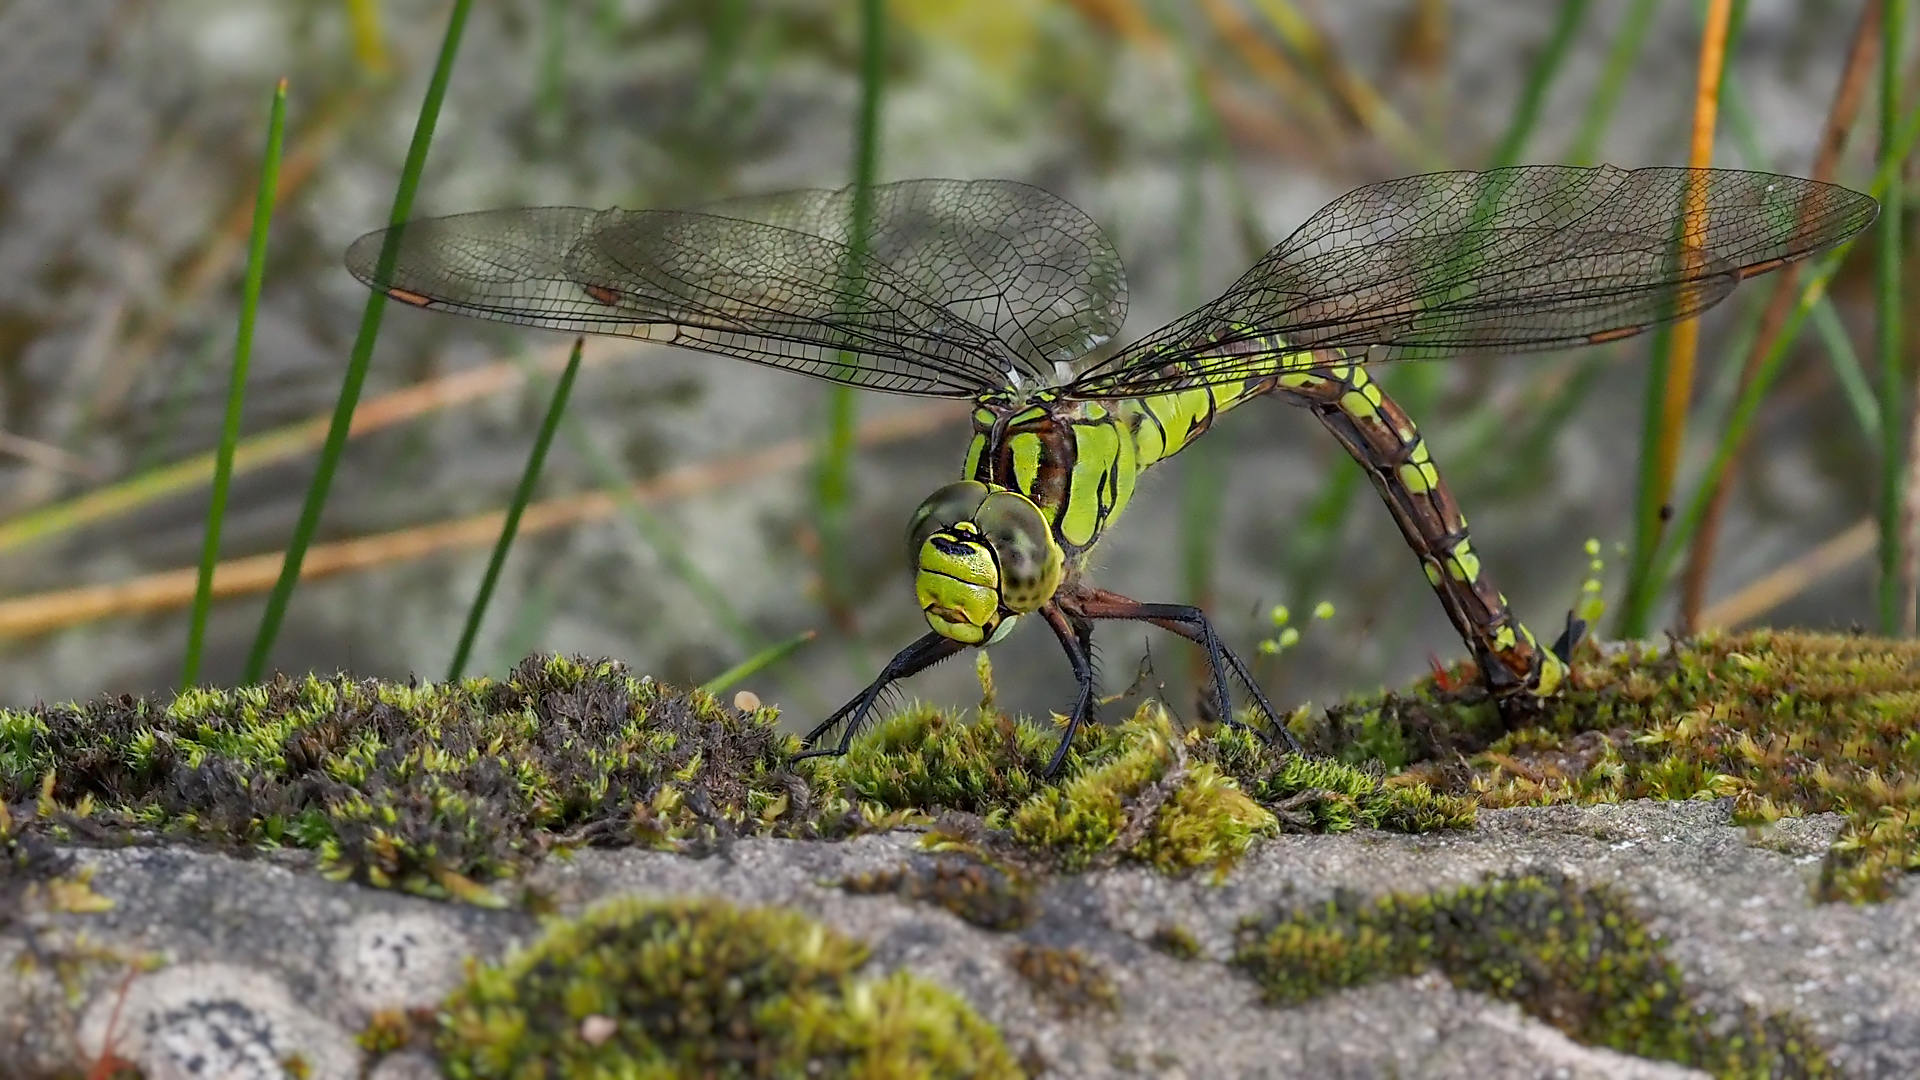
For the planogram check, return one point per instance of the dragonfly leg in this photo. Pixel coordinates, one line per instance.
(915, 658)
(1076, 638)
(1383, 439)
(1190, 623)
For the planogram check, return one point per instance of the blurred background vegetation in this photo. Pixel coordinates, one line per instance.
(1198, 132)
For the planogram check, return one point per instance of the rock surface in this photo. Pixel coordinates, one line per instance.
(249, 963)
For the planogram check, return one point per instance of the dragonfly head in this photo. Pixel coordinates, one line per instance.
(982, 556)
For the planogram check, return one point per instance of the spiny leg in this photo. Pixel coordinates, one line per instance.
(1383, 439)
(1076, 638)
(915, 658)
(1190, 623)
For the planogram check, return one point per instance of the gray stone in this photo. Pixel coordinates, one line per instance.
(311, 960)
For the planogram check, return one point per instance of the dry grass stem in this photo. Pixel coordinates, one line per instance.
(44, 612)
(1841, 115)
(1763, 595)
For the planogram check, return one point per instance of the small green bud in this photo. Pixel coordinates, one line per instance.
(1593, 547)
(1268, 647)
(1280, 615)
(1323, 610)
(1289, 637)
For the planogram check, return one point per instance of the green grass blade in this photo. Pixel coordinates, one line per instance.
(1552, 59)
(752, 665)
(660, 538)
(1886, 280)
(237, 387)
(1613, 79)
(1816, 277)
(522, 495)
(833, 479)
(1847, 370)
(362, 351)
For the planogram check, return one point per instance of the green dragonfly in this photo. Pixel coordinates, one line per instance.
(1003, 293)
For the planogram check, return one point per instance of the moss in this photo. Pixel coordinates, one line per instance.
(1067, 978)
(1176, 941)
(986, 895)
(1783, 723)
(666, 989)
(1576, 957)
(436, 788)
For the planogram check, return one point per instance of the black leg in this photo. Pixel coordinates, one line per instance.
(1075, 639)
(1190, 623)
(911, 660)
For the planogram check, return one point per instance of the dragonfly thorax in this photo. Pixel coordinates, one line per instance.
(982, 556)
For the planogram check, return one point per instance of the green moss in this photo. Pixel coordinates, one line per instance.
(986, 895)
(1783, 723)
(1067, 978)
(1176, 941)
(1576, 957)
(667, 989)
(1145, 801)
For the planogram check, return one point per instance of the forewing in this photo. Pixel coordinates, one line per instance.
(1537, 257)
(1017, 261)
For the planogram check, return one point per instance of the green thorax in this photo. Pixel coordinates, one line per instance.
(1079, 460)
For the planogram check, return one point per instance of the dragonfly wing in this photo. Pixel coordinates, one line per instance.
(1536, 257)
(716, 284)
(964, 287)
(1021, 263)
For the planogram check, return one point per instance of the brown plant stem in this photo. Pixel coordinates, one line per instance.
(1841, 115)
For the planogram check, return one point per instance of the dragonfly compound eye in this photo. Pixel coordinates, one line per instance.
(1030, 561)
(955, 576)
(941, 511)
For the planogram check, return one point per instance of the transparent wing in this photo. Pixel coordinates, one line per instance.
(1536, 257)
(963, 286)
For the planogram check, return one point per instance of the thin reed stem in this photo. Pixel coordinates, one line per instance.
(237, 387)
(1741, 418)
(1526, 113)
(1613, 79)
(522, 495)
(1887, 330)
(832, 483)
(362, 350)
(1841, 115)
(1673, 371)
(758, 662)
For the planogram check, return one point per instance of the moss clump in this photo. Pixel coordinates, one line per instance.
(1783, 723)
(444, 789)
(700, 988)
(1068, 978)
(988, 896)
(1176, 941)
(1145, 800)
(435, 788)
(1576, 957)
(1323, 794)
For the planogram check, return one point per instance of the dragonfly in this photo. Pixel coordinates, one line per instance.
(1004, 294)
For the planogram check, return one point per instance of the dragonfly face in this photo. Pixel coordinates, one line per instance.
(982, 557)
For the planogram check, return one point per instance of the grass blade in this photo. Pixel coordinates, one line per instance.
(1894, 607)
(1670, 379)
(1539, 80)
(237, 388)
(1765, 372)
(1841, 115)
(522, 495)
(761, 660)
(362, 350)
(832, 483)
(1613, 79)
